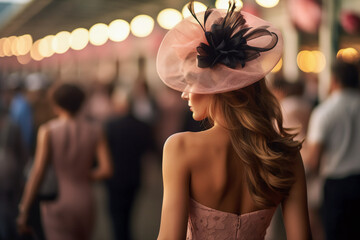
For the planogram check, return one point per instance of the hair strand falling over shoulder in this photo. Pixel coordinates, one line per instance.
(265, 148)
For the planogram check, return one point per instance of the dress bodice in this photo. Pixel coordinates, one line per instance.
(212, 224)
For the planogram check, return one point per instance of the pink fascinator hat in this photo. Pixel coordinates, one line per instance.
(218, 51)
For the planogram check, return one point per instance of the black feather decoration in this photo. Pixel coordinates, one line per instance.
(206, 15)
(227, 39)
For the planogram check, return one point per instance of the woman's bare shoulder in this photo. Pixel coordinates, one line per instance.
(179, 141)
(184, 144)
(174, 156)
(44, 130)
(188, 139)
(191, 148)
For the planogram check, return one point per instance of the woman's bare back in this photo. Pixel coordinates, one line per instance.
(216, 174)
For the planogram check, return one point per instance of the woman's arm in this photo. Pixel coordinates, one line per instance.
(104, 168)
(295, 208)
(176, 179)
(36, 175)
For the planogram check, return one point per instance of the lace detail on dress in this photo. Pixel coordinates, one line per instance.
(211, 224)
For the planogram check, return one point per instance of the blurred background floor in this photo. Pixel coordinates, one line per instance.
(147, 210)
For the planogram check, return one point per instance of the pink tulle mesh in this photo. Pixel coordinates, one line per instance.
(177, 62)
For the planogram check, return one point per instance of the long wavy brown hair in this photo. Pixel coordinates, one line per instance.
(267, 150)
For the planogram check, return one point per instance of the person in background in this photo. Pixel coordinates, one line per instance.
(98, 105)
(97, 109)
(20, 108)
(70, 144)
(13, 157)
(129, 139)
(333, 141)
(296, 109)
(226, 182)
(37, 85)
(35, 88)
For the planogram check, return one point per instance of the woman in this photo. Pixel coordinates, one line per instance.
(70, 144)
(225, 182)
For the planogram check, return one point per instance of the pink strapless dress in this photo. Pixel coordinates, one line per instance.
(210, 224)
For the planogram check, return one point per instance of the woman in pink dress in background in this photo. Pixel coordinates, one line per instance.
(71, 144)
(226, 182)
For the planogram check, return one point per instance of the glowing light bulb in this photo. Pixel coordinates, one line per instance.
(14, 43)
(267, 3)
(99, 34)
(119, 30)
(34, 52)
(45, 46)
(349, 55)
(168, 18)
(339, 53)
(278, 66)
(311, 61)
(79, 38)
(2, 41)
(306, 61)
(224, 4)
(142, 25)
(24, 44)
(61, 42)
(320, 61)
(7, 47)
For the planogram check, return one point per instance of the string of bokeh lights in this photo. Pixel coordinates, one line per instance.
(140, 26)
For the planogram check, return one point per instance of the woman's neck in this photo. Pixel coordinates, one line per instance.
(219, 128)
(62, 113)
(65, 115)
(220, 122)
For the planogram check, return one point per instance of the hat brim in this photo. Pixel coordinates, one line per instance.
(177, 58)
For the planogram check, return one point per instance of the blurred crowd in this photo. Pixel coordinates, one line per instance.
(330, 131)
(135, 122)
